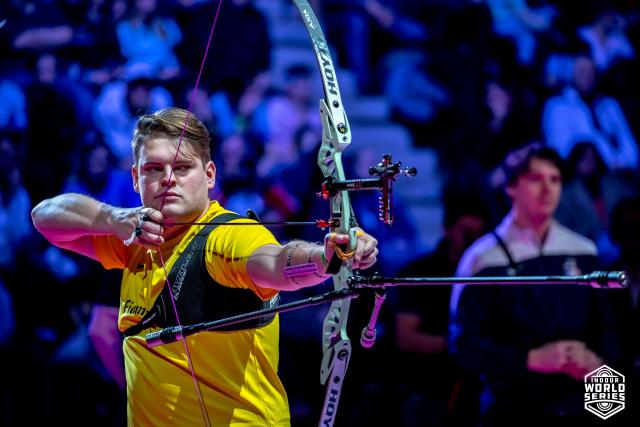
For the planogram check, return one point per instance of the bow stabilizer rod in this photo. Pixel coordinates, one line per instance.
(597, 279)
(359, 284)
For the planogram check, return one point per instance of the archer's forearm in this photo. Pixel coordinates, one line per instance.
(68, 217)
(294, 266)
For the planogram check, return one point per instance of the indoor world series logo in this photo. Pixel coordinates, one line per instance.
(604, 392)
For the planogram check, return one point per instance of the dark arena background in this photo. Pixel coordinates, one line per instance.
(446, 86)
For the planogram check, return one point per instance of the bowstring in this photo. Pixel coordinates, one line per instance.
(196, 383)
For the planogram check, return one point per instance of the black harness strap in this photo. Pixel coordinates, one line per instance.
(513, 266)
(202, 299)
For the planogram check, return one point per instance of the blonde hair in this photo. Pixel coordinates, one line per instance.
(171, 123)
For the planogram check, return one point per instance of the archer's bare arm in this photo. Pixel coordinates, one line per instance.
(71, 220)
(268, 265)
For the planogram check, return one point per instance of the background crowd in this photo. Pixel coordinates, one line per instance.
(469, 80)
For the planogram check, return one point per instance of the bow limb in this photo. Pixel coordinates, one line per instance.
(336, 137)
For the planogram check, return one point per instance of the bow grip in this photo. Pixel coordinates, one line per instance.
(342, 252)
(335, 263)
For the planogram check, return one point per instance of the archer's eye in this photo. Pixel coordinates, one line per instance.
(153, 169)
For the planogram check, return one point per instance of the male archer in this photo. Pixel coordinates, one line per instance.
(214, 270)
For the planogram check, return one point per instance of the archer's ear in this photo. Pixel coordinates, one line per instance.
(134, 177)
(210, 170)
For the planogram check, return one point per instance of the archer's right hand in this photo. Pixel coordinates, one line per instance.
(142, 226)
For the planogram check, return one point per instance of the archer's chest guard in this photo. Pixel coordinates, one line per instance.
(198, 297)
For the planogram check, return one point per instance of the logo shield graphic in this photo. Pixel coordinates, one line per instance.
(604, 392)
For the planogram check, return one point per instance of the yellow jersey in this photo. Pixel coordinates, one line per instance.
(237, 370)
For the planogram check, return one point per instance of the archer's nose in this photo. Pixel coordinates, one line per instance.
(168, 177)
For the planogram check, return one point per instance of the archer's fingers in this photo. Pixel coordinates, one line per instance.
(364, 255)
(367, 261)
(333, 244)
(150, 240)
(148, 230)
(366, 250)
(337, 238)
(152, 216)
(151, 229)
(150, 235)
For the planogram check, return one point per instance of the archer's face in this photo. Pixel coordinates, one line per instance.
(181, 196)
(537, 192)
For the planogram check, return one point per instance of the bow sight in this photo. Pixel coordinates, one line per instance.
(386, 172)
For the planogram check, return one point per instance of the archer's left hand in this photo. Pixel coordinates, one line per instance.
(363, 256)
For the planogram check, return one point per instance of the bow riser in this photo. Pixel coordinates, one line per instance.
(336, 137)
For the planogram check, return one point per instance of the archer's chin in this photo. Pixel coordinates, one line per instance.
(177, 214)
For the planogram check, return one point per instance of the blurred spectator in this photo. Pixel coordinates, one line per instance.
(531, 345)
(241, 46)
(590, 192)
(273, 199)
(559, 70)
(7, 318)
(507, 123)
(516, 20)
(466, 58)
(39, 25)
(96, 175)
(57, 110)
(625, 232)
(106, 339)
(606, 39)
(415, 98)
(235, 161)
(251, 99)
(422, 318)
(20, 340)
(147, 40)
(226, 116)
(15, 205)
(116, 108)
(214, 110)
(75, 356)
(13, 111)
(356, 26)
(7, 330)
(282, 116)
(95, 31)
(581, 113)
(292, 198)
